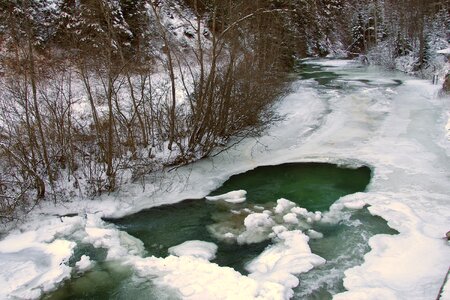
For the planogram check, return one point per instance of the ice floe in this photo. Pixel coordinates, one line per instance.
(231, 197)
(198, 249)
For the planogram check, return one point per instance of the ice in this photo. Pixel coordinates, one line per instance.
(85, 263)
(231, 197)
(198, 249)
(314, 234)
(283, 205)
(299, 211)
(290, 218)
(289, 256)
(196, 278)
(118, 243)
(331, 63)
(27, 273)
(257, 228)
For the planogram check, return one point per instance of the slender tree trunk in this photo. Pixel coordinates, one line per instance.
(35, 100)
(168, 51)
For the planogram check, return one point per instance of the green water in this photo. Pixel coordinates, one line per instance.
(314, 186)
(311, 71)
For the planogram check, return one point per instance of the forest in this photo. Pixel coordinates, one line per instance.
(97, 93)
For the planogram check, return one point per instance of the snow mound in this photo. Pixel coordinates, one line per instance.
(231, 197)
(289, 256)
(257, 228)
(85, 263)
(196, 278)
(36, 261)
(198, 249)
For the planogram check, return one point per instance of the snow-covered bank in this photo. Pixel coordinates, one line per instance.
(397, 129)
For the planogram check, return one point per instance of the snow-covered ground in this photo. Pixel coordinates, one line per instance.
(398, 130)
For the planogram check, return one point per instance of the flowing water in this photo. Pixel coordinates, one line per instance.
(313, 186)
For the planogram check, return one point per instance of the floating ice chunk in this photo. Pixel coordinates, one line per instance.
(118, 243)
(314, 234)
(317, 216)
(231, 197)
(283, 205)
(300, 211)
(196, 278)
(84, 263)
(267, 212)
(199, 249)
(289, 256)
(290, 218)
(229, 235)
(257, 220)
(279, 229)
(358, 204)
(257, 228)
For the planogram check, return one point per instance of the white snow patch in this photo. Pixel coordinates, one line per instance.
(289, 256)
(257, 228)
(196, 278)
(231, 197)
(199, 249)
(290, 218)
(85, 263)
(283, 205)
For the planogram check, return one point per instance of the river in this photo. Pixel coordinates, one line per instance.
(346, 197)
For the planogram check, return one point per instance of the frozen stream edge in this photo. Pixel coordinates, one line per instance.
(399, 131)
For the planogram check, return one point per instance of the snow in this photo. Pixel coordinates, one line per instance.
(399, 131)
(231, 197)
(199, 249)
(280, 262)
(444, 51)
(196, 278)
(445, 295)
(257, 227)
(290, 218)
(85, 263)
(35, 261)
(283, 205)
